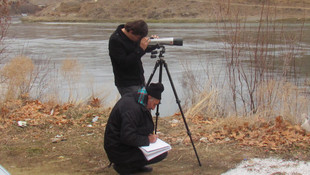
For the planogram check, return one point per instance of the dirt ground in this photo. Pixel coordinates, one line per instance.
(75, 146)
(166, 10)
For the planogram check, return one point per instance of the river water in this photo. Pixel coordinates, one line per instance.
(87, 43)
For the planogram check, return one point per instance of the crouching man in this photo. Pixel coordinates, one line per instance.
(130, 126)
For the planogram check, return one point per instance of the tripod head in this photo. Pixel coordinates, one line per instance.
(158, 52)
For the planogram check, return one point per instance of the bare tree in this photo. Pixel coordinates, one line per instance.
(4, 23)
(253, 51)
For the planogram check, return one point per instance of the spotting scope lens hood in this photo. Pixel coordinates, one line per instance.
(166, 41)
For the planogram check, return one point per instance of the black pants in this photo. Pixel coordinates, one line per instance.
(133, 167)
(129, 89)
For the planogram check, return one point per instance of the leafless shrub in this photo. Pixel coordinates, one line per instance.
(282, 98)
(4, 23)
(70, 71)
(261, 61)
(42, 79)
(202, 92)
(20, 77)
(17, 77)
(252, 54)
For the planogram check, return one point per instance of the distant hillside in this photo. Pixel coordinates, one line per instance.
(106, 10)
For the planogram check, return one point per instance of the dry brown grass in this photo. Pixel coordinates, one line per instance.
(70, 68)
(282, 98)
(21, 78)
(274, 98)
(207, 104)
(163, 10)
(71, 72)
(16, 77)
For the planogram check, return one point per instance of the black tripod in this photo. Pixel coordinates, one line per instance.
(161, 62)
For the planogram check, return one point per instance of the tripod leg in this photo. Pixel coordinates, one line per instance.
(153, 73)
(160, 64)
(178, 102)
(160, 77)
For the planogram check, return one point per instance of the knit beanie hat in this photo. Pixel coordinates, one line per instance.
(155, 90)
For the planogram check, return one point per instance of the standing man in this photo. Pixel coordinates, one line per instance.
(127, 45)
(130, 126)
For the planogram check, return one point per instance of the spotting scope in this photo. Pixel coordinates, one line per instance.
(166, 41)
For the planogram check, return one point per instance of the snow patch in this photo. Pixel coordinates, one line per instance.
(269, 166)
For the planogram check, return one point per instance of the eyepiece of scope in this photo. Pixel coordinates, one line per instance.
(166, 41)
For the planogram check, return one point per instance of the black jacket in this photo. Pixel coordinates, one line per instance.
(128, 127)
(126, 59)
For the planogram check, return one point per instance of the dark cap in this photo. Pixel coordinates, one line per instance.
(155, 90)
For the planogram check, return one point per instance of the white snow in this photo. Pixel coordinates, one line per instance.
(269, 166)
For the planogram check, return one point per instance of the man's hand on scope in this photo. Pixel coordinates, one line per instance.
(145, 41)
(154, 36)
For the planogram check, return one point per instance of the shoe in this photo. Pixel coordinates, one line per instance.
(145, 169)
(119, 171)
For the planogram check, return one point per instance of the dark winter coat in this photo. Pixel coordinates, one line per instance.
(126, 59)
(128, 127)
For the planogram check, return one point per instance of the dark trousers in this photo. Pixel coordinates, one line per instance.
(133, 167)
(129, 89)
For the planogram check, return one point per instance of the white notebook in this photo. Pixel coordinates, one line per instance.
(155, 149)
